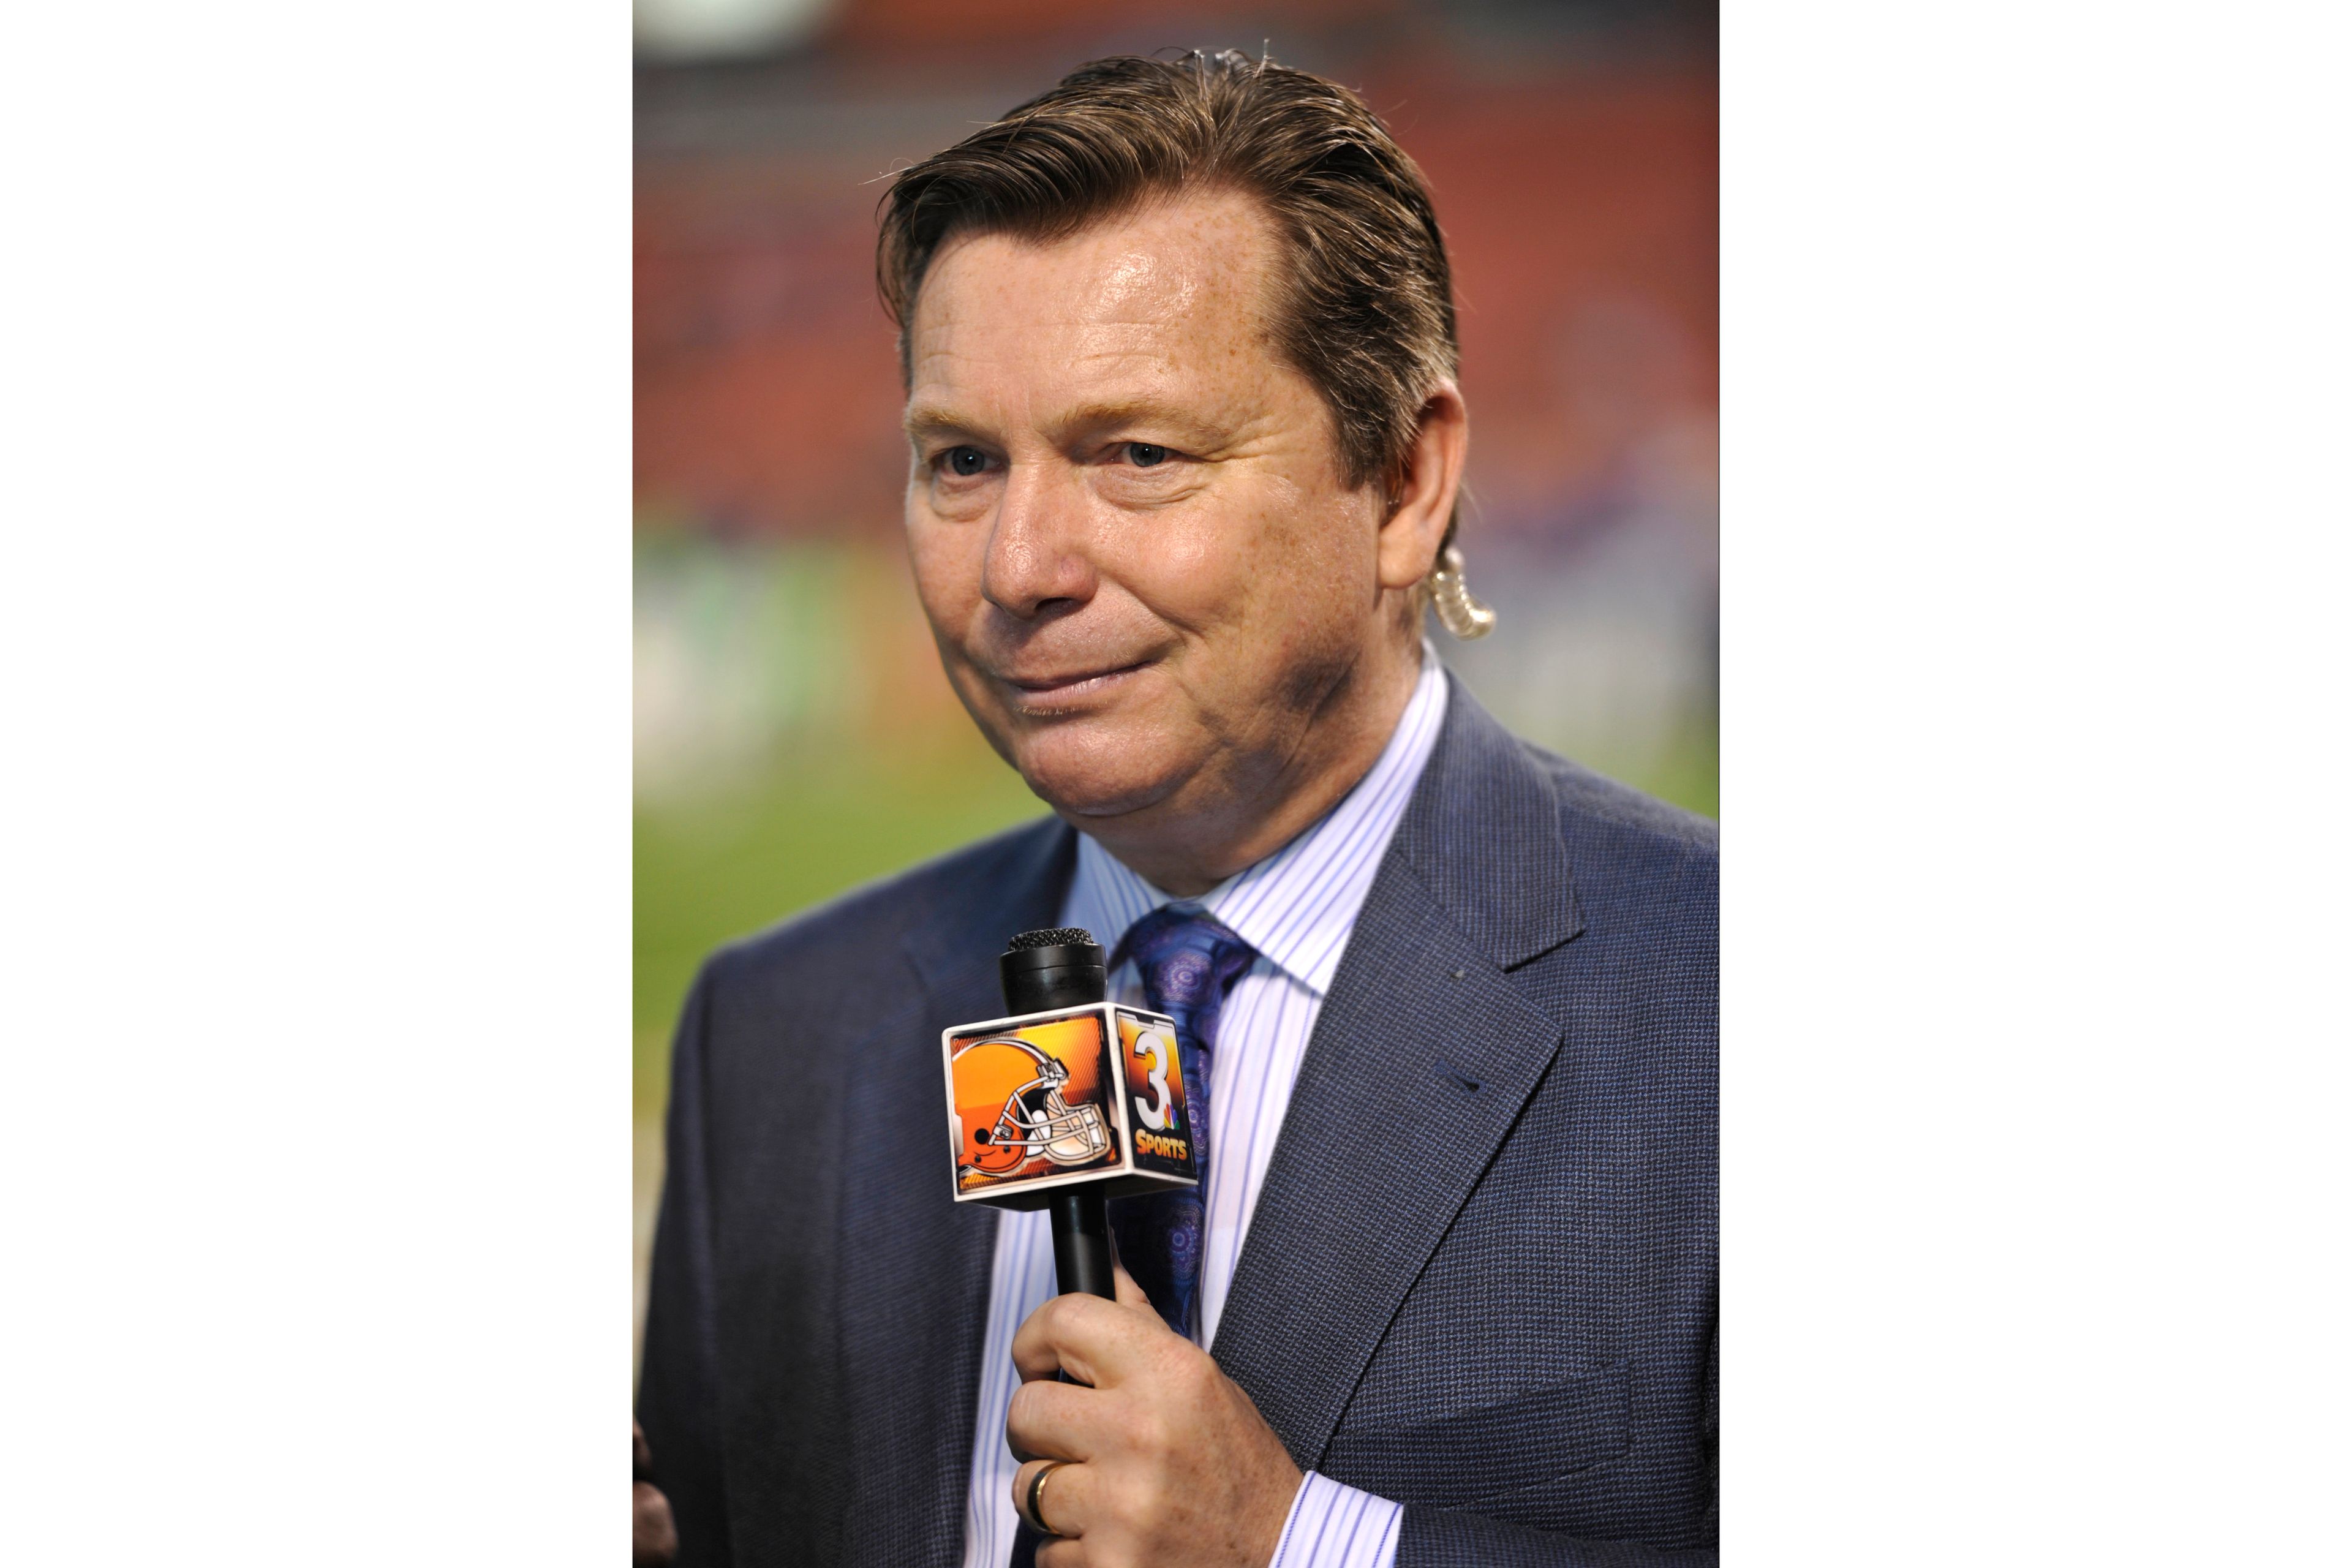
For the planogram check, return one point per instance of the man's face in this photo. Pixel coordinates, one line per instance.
(1130, 526)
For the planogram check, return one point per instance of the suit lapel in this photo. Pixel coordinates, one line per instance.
(1424, 1053)
(916, 1265)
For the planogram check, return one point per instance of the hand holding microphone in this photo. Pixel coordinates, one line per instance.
(1150, 1456)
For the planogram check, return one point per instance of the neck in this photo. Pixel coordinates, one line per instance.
(1187, 846)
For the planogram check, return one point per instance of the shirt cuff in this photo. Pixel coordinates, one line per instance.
(1335, 1526)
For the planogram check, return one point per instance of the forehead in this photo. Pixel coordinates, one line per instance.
(1171, 300)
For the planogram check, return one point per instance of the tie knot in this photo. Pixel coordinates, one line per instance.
(1185, 957)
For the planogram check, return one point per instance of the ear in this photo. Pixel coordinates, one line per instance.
(1424, 500)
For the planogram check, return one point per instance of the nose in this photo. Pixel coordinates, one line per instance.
(1037, 564)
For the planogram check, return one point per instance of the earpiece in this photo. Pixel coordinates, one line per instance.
(1458, 610)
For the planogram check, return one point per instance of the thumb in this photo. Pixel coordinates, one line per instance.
(1131, 1294)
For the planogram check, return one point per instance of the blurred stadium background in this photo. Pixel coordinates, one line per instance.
(794, 735)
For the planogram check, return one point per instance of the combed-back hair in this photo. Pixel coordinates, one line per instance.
(1364, 308)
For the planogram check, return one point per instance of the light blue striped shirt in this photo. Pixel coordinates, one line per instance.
(1296, 907)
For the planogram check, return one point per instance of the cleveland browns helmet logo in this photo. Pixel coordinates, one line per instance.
(1011, 1114)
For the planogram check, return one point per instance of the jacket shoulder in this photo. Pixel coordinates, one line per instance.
(1594, 807)
(1640, 867)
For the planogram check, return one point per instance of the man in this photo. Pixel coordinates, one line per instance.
(1186, 445)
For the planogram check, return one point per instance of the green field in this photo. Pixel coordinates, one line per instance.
(781, 842)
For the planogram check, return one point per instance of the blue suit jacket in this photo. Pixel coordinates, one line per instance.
(1481, 1275)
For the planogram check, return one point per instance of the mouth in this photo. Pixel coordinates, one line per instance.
(1061, 692)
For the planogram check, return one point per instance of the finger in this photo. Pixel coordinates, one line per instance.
(654, 1533)
(1095, 1341)
(1062, 1501)
(1049, 1420)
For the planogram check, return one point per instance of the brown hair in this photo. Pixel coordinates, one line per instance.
(1365, 310)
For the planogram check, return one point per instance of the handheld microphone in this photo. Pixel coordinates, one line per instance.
(1067, 1102)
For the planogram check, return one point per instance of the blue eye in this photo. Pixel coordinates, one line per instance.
(1144, 454)
(966, 462)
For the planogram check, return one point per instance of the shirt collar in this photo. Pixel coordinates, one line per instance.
(1296, 906)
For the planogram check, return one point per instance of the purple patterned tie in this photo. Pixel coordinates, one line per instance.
(1188, 962)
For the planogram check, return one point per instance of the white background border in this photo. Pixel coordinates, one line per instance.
(2034, 527)
(316, 623)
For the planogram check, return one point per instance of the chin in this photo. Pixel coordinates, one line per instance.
(1083, 775)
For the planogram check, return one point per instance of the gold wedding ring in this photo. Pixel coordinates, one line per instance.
(1029, 1511)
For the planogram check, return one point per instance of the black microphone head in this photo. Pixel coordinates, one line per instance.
(1052, 936)
(1058, 966)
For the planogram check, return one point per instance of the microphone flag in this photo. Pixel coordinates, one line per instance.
(1041, 1100)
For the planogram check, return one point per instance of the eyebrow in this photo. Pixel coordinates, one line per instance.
(935, 421)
